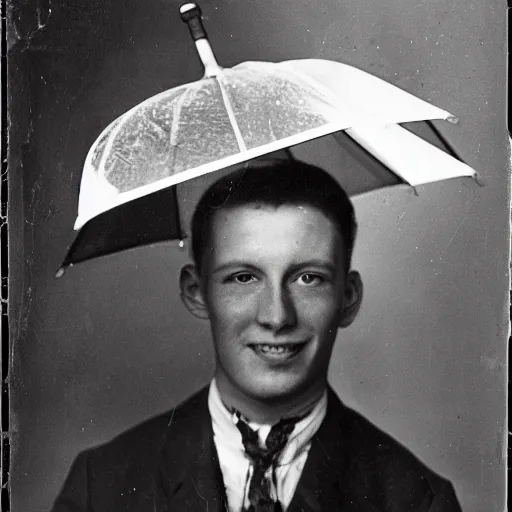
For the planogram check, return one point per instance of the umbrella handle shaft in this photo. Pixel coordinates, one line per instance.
(191, 15)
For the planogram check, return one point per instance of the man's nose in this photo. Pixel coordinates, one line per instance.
(276, 310)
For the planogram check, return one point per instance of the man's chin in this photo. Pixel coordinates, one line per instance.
(274, 389)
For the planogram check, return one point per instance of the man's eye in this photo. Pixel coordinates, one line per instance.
(310, 279)
(244, 278)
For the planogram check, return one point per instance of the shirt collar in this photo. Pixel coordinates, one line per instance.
(226, 432)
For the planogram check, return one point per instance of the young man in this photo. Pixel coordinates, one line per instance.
(272, 246)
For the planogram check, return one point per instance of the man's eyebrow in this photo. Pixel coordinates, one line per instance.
(314, 263)
(229, 265)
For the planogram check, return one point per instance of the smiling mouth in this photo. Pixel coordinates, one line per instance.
(279, 352)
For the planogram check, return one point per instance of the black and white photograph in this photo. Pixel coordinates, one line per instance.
(258, 256)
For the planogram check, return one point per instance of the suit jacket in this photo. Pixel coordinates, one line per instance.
(169, 463)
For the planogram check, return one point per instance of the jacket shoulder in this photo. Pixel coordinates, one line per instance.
(145, 439)
(121, 474)
(376, 445)
(390, 471)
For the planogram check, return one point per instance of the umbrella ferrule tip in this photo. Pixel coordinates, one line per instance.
(187, 8)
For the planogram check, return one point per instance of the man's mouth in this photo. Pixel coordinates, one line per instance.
(279, 351)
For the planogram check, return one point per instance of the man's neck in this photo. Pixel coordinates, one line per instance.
(268, 412)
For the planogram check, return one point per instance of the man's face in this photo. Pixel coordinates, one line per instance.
(274, 287)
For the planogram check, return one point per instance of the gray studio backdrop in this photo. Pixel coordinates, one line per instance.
(110, 344)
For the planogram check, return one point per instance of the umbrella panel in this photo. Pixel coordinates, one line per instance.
(147, 220)
(268, 107)
(185, 128)
(428, 131)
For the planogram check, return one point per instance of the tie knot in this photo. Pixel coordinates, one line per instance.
(277, 438)
(262, 459)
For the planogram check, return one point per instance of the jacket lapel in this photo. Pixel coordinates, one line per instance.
(320, 486)
(354, 467)
(334, 476)
(189, 468)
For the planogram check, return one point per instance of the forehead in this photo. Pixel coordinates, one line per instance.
(282, 235)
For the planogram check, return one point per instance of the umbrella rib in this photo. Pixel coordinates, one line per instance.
(444, 140)
(229, 109)
(108, 146)
(173, 138)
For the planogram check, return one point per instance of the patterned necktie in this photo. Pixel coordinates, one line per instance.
(262, 459)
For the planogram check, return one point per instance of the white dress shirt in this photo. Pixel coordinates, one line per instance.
(236, 467)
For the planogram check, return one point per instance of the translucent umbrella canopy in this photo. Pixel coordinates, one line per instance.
(255, 108)
(239, 114)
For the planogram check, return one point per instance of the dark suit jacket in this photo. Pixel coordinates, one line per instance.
(169, 463)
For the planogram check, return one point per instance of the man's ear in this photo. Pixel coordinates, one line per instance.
(191, 292)
(352, 298)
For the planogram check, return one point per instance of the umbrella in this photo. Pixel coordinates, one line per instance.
(360, 128)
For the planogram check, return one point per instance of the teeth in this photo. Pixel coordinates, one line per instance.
(272, 349)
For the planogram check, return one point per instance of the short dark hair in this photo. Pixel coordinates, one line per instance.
(275, 183)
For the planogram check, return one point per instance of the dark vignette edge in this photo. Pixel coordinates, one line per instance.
(4, 270)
